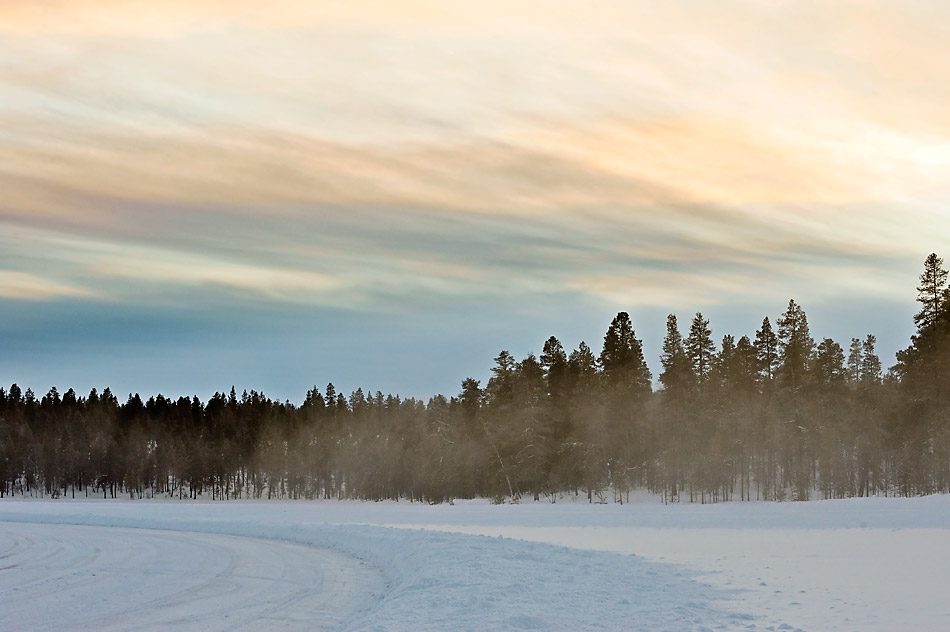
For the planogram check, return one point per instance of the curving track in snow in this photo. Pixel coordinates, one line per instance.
(109, 578)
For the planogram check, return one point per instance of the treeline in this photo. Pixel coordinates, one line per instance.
(769, 415)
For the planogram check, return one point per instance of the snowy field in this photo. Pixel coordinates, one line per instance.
(861, 564)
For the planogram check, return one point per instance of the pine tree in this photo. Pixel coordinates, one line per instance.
(747, 364)
(766, 348)
(700, 348)
(582, 368)
(529, 381)
(622, 358)
(870, 363)
(795, 346)
(924, 366)
(677, 374)
(628, 383)
(931, 293)
(470, 398)
(554, 362)
(500, 385)
(855, 360)
(829, 363)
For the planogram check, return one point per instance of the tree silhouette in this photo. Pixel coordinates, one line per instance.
(776, 417)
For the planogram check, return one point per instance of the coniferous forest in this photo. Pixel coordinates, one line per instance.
(771, 414)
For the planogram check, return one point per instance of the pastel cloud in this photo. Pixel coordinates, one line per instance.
(556, 143)
(15, 284)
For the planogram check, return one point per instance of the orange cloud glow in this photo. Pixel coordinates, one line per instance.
(751, 128)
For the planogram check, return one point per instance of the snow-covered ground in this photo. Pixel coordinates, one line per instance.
(108, 578)
(861, 564)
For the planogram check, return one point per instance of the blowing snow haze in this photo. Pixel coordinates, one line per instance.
(445, 315)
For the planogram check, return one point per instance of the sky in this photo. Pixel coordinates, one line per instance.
(196, 194)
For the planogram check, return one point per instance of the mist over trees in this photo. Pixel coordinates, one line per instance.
(772, 414)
